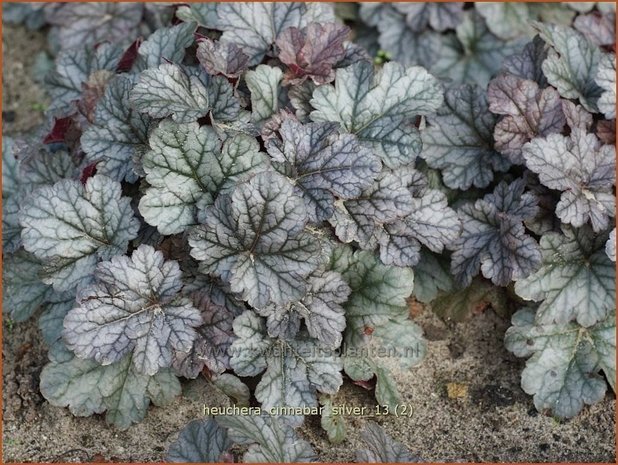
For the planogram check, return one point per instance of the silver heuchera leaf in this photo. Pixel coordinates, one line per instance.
(562, 372)
(406, 41)
(323, 164)
(472, 54)
(382, 448)
(80, 24)
(169, 91)
(506, 20)
(432, 277)
(88, 388)
(528, 63)
(73, 68)
(187, 167)
(133, 308)
(214, 337)
(494, 238)
(313, 51)
(606, 79)
(610, 246)
(263, 83)
(270, 439)
(459, 140)
(255, 26)
(117, 134)
(583, 169)
(255, 239)
(200, 441)
(528, 112)
(380, 107)
(293, 370)
(204, 14)
(223, 58)
(360, 219)
(320, 308)
(577, 280)
(440, 16)
(165, 45)
(598, 27)
(23, 292)
(571, 65)
(430, 223)
(70, 227)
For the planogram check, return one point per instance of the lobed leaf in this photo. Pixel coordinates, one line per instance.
(562, 372)
(379, 107)
(134, 308)
(70, 227)
(254, 239)
(576, 280)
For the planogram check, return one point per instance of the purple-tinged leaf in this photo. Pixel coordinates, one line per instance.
(312, 52)
(494, 240)
(225, 58)
(135, 308)
(323, 164)
(528, 112)
(580, 167)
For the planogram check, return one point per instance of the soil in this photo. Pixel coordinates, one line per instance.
(466, 399)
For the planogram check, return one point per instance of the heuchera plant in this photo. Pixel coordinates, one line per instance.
(244, 192)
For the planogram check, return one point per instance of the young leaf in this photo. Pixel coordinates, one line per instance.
(88, 388)
(528, 112)
(73, 69)
(379, 107)
(256, 26)
(320, 308)
(334, 425)
(263, 82)
(583, 169)
(169, 91)
(204, 14)
(133, 308)
(472, 54)
(571, 65)
(563, 371)
(187, 167)
(459, 140)
(293, 370)
(270, 439)
(494, 238)
(606, 79)
(312, 52)
(323, 164)
(118, 134)
(222, 58)
(70, 227)
(165, 45)
(200, 441)
(576, 281)
(382, 448)
(255, 239)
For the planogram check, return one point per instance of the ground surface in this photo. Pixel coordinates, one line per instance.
(491, 420)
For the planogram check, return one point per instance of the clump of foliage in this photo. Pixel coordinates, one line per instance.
(242, 191)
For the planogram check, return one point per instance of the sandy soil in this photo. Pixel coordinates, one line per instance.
(492, 420)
